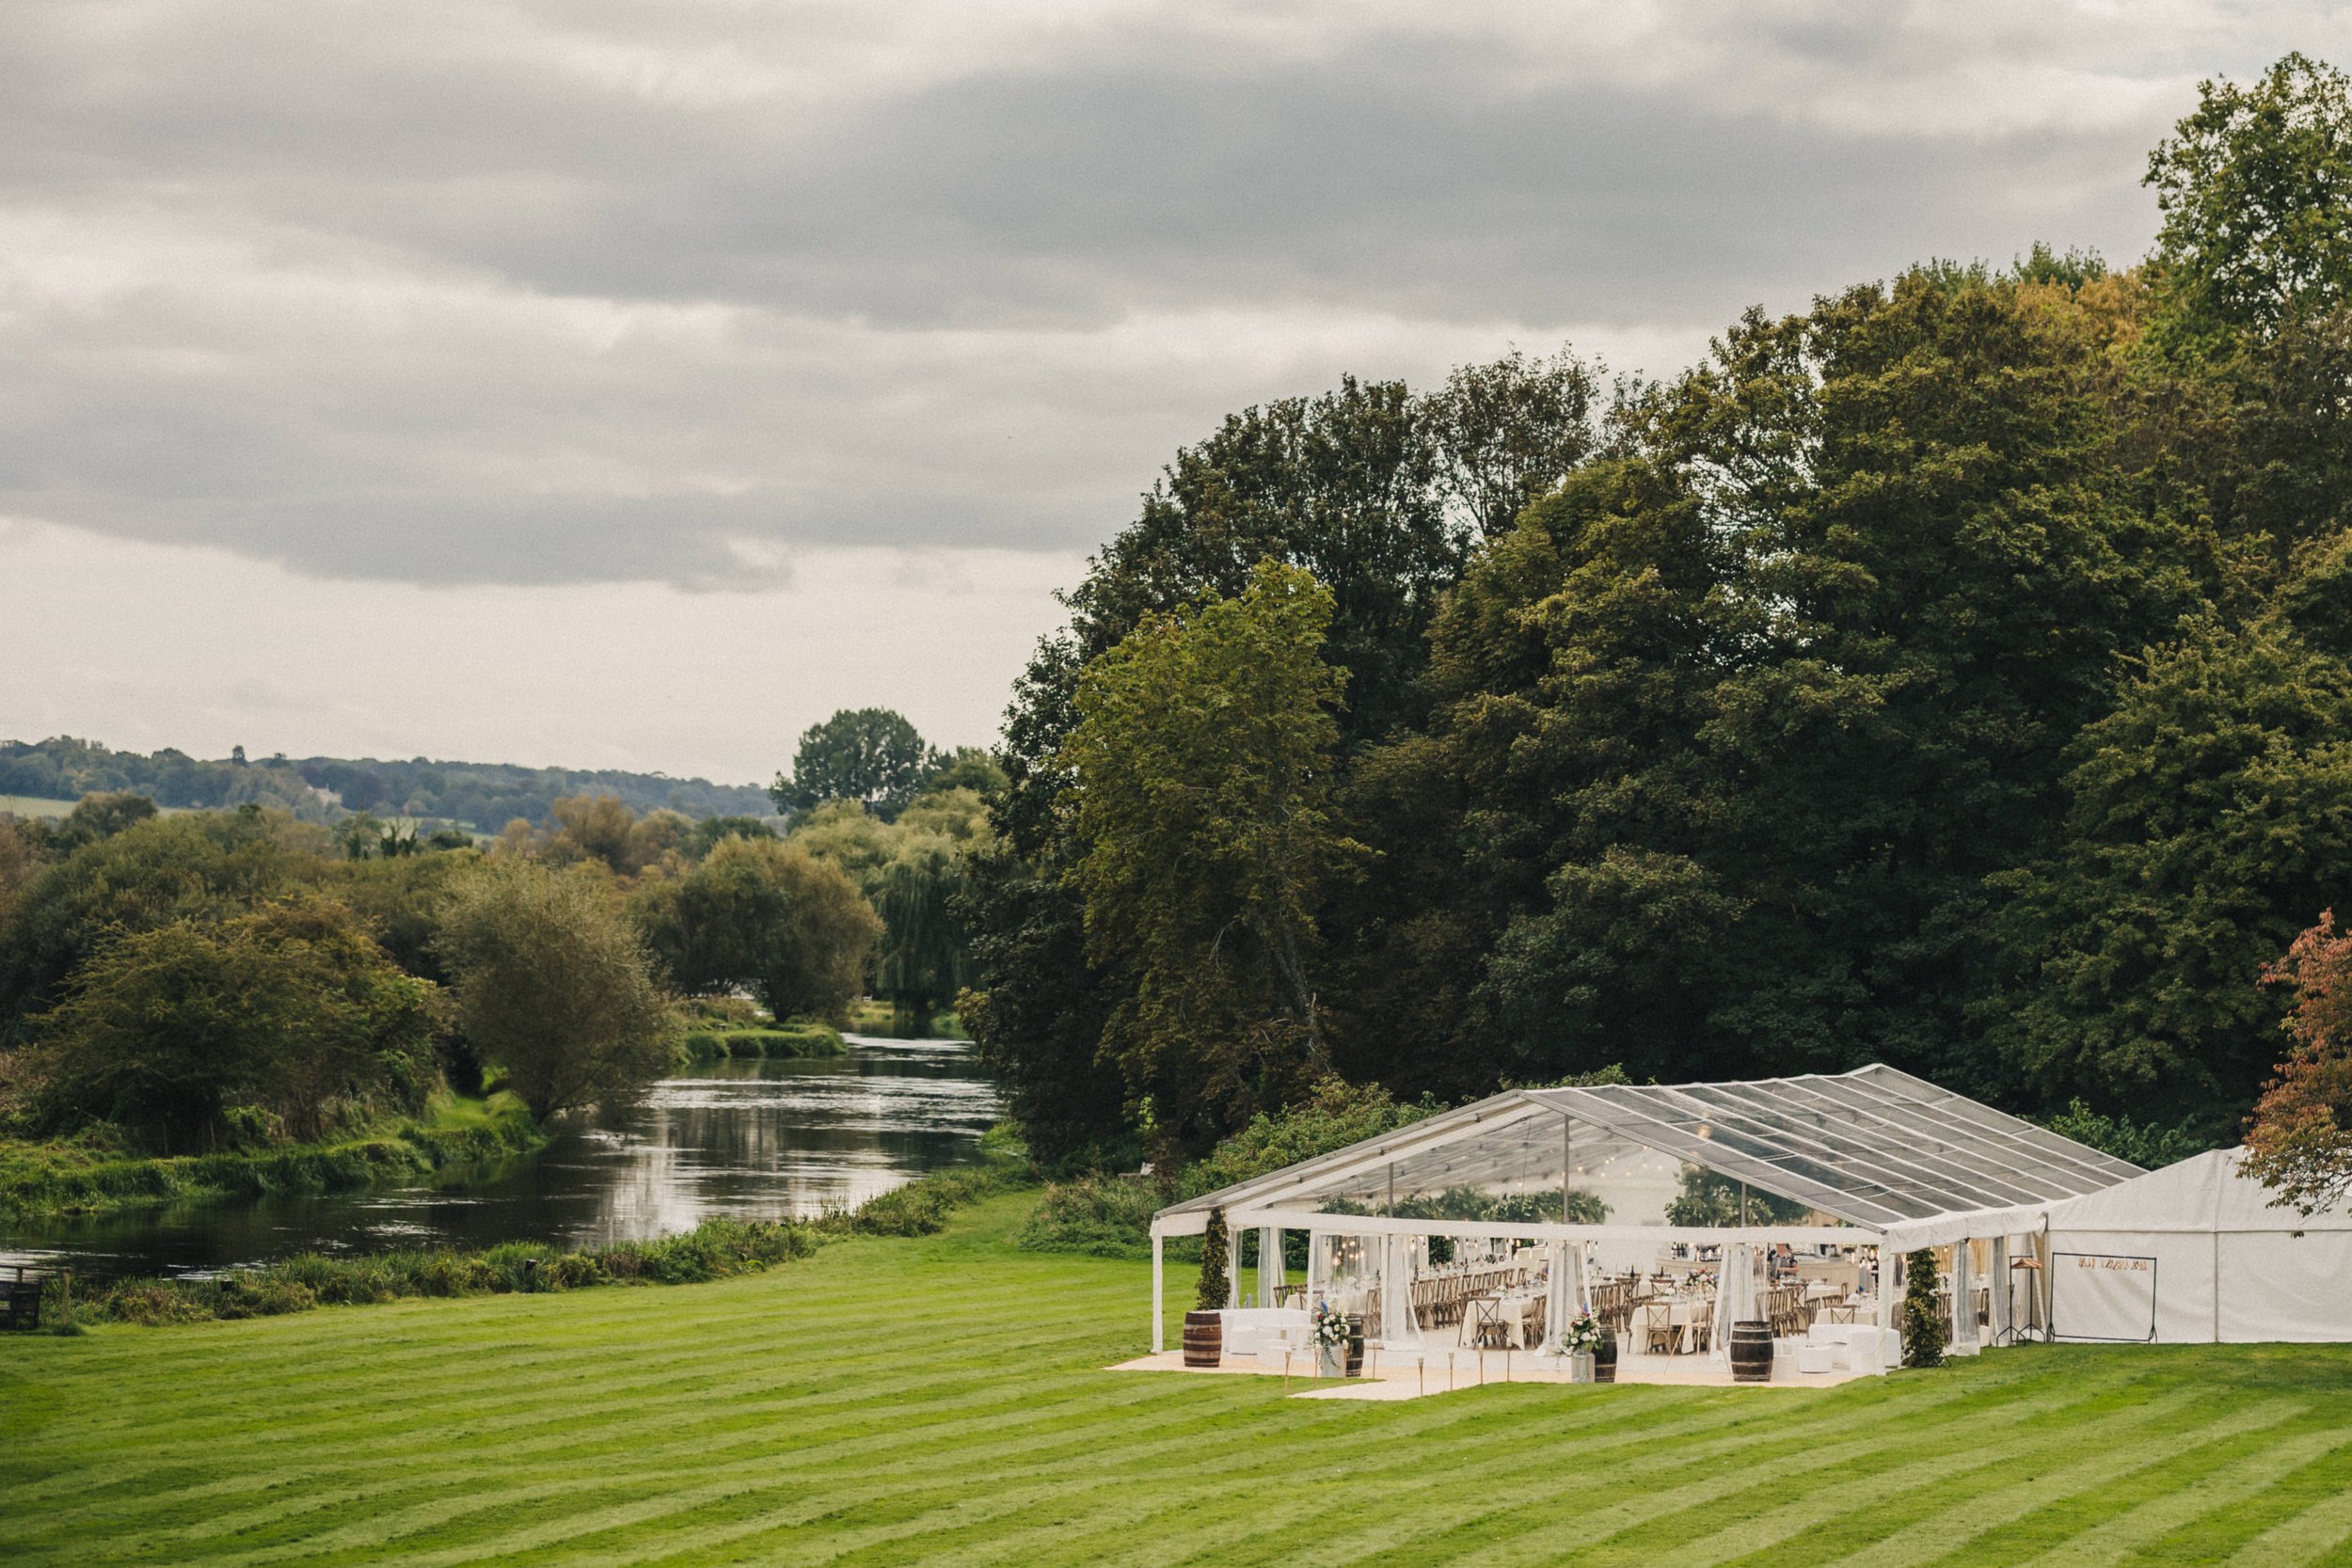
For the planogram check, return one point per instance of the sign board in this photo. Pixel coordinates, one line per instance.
(2102, 1296)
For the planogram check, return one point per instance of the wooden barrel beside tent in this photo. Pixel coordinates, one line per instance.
(1751, 1350)
(1204, 1338)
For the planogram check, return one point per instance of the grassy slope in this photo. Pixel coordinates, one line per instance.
(941, 1400)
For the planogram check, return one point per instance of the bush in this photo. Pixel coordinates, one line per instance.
(2149, 1147)
(715, 1249)
(1334, 1115)
(921, 1208)
(1102, 1216)
(1110, 1216)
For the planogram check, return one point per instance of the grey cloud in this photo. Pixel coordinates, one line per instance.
(444, 294)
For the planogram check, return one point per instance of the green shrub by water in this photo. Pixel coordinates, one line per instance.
(715, 1249)
(798, 1038)
(922, 1208)
(1102, 1216)
(86, 1179)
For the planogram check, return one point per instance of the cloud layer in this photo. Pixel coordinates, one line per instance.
(541, 292)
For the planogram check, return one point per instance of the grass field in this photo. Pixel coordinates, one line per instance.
(41, 805)
(941, 1400)
(36, 805)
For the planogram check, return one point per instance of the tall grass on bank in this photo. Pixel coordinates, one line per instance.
(77, 1178)
(798, 1038)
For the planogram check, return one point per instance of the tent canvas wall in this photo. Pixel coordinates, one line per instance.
(2195, 1254)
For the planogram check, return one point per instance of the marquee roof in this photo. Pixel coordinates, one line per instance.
(1875, 1146)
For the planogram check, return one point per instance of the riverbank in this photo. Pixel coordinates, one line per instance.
(42, 1179)
(800, 1038)
(715, 1249)
(945, 1401)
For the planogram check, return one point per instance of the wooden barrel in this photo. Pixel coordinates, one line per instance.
(1605, 1357)
(1751, 1351)
(1204, 1338)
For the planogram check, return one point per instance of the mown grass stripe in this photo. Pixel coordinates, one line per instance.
(943, 1402)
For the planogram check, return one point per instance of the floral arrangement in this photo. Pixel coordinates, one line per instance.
(1584, 1335)
(1330, 1330)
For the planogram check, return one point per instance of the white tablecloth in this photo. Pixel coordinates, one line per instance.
(1247, 1328)
(1513, 1311)
(1677, 1317)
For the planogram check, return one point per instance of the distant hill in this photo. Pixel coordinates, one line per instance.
(482, 796)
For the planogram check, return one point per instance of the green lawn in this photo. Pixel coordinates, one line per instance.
(942, 1401)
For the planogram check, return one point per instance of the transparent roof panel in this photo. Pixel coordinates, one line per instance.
(1871, 1146)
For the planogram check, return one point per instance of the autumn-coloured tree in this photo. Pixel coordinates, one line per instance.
(2300, 1142)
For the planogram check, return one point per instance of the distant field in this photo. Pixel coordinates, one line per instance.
(943, 1402)
(36, 805)
(33, 805)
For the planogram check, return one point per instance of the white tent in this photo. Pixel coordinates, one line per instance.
(2195, 1254)
(1856, 1162)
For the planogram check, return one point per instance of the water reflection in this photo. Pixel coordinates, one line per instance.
(749, 1140)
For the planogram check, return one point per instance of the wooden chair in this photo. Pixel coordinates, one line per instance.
(1487, 1329)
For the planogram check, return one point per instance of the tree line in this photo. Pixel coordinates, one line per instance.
(484, 796)
(1955, 673)
(243, 978)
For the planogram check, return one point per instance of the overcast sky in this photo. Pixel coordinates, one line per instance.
(617, 384)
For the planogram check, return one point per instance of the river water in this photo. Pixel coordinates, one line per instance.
(747, 1140)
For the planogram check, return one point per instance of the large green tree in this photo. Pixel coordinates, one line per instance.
(291, 1010)
(1202, 771)
(2210, 819)
(155, 870)
(2256, 191)
(871, 754)
(553, 987)
(1732, 731)
(767, 916)
(1380, 493)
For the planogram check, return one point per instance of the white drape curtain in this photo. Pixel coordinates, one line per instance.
(1270, 1279)
(1398, 1324)
(1565, 1296)
(1963, 1299)
(1556, 1308)
(2004, 1305)
(1734, 1296)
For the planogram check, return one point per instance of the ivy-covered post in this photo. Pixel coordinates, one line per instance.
(1923, 1325)
(1213, 1245)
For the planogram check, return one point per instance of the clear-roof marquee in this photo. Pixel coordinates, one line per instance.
(1873, 1147)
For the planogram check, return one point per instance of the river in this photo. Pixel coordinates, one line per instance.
(747, 1140)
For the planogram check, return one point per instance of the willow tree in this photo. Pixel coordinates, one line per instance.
(1202, 766)
(921, 962)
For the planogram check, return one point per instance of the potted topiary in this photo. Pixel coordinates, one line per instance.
(1204, 1325)
(1581, 1341)
(1923, 1319)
